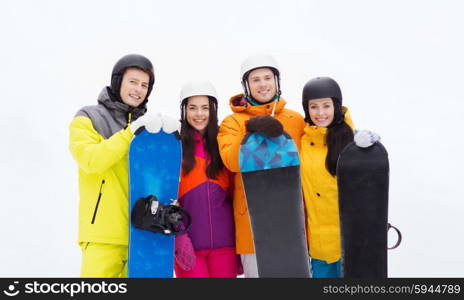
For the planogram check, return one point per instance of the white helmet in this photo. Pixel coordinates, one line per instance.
(257, 61)
(198, 88)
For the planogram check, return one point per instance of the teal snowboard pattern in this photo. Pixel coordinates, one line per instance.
(259, 152)
(154, 169)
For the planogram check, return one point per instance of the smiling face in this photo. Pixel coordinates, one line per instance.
(262, 84)
(321, 111)
(198, 112)
(134, 87)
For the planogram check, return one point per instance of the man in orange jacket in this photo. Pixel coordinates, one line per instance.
(259, 109)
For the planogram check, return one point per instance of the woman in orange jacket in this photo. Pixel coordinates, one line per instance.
(204, 189)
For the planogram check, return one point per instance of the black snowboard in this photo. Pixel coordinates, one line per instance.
(271, 177)
(363, 178)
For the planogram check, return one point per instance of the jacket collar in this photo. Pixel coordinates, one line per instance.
(238, 104)
(119, 109)
(317, 134)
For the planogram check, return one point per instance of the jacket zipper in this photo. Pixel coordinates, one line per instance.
(98, 201)
(210, 222)
(129, 119)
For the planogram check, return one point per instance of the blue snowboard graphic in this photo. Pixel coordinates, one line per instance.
(259, 152)
(270, 170)
(154, 168)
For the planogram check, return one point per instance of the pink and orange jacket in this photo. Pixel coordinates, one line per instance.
(209, 203)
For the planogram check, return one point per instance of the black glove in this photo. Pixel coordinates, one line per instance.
(266, 125)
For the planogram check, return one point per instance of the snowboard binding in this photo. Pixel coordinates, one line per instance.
(150, 214)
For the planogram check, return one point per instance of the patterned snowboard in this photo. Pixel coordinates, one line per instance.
(270, 170)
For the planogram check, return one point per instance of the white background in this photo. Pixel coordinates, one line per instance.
(399, 64)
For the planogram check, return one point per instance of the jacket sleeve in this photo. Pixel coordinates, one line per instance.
(93, 153)
(231, 133)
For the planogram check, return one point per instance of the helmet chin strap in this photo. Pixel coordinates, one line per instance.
(278, 95)
(247, 89)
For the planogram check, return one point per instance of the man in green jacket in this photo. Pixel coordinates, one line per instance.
(99, 142)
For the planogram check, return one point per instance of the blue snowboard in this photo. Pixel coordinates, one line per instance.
(154, 169)
(270, 170)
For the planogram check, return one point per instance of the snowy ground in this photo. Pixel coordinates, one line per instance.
(399, 64)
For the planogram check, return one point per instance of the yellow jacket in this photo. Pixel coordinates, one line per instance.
(320, 194)
(99, 140)
(231, 133)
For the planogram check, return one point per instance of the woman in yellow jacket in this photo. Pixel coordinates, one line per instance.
(259, 109)
(329, 129)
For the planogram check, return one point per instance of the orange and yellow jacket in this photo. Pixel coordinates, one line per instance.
(231, 133)
(320, 195)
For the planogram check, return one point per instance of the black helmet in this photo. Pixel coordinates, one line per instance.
(131, 61)
(321, 87)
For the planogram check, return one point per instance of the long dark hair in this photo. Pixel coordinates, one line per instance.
(339, 134)
(214, 164)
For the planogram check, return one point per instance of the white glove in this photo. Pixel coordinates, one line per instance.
(170, 125)
(365, 138)
(151, 122)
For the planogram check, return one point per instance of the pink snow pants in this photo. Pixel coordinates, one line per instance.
(214, 263)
